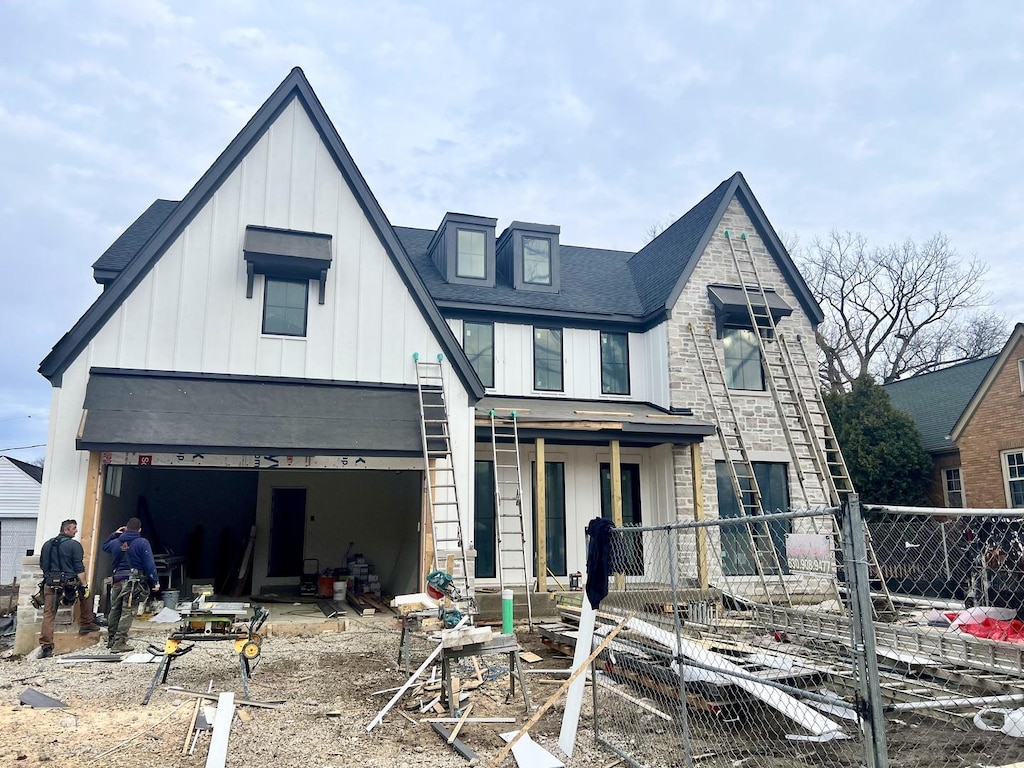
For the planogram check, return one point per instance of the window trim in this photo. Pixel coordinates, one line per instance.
(945, 486)
(1004, 464)
(625, 337)
(480, 323)
(458, 253)
(561, 359)
(305, 307)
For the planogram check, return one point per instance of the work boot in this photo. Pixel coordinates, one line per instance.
(45, 651)
(87, 628)
(122, 648)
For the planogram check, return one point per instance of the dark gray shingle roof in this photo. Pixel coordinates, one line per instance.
(935, 400)
(36, 473)
(130, 242)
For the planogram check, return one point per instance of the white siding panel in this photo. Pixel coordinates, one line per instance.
(225, 237)
(164, 319)
(191, 322)
(279, 170)
(19, 493)
(372, 308)
(305, 143)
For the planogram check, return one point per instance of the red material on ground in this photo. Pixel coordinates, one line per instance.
(993, 629)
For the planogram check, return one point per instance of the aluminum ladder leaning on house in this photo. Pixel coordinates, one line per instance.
(439, 475)
(744, 483)
(805, 423)
(508, 505)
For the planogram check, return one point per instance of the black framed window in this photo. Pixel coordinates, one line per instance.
(284, 307)
(738, 557)
(614, 363)
(471, 259)
(547, 359)
(554, 516)
(629, 475)
(537, 260)
(742, 358)
(478, 344)
(484, 529)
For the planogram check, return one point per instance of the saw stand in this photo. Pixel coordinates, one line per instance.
(497, 644)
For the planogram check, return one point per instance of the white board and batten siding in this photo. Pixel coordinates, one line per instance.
(19, 508)
(581, 361)
(189, 313)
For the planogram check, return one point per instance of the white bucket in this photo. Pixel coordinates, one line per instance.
(340, 588)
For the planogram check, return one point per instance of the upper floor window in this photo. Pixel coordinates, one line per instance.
(478, 343)
(952, 488)
(471, 257)
(1013, 475)
(742, 357)
(1020, 373)
(537, 260)
(547, 359)
(284, 307)
(614, 363)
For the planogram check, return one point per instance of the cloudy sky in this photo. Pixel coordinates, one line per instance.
(895, 119)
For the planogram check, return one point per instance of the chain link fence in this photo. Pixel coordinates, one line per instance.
(793, 641)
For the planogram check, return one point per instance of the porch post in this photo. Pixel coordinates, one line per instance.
(616, 478)
(540, 509)
(697, 471)
(91, 513)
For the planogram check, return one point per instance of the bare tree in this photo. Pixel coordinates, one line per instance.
(897, 310)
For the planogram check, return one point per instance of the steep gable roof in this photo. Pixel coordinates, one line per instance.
(36, 473)
(936, 399)
(662, 267)
(295, 86)
(998, 364)
(108, 266)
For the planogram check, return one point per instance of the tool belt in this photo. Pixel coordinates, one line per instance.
(133, 575)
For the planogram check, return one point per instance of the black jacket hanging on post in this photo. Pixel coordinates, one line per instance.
(599, 559)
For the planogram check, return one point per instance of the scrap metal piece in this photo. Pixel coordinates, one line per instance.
(38, 700)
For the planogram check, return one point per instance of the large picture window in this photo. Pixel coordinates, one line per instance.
(471, 260)
(1013, 474)
(547, 359)
(554, 516)
(284, 307)
(742, 357)
(738, 556)
(478, 343)
(614, 363)
(484, 529)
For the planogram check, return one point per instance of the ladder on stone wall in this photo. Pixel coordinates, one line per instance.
(512, 558)
(805, 423)
(765, 556)
(439, 475)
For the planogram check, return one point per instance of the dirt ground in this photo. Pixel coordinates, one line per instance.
(325, 682)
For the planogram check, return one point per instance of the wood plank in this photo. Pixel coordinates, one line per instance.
(91, 514)
(540, 508)
(461, 722)
(697, 480)
(221, 730)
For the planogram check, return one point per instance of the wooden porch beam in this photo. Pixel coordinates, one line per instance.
(540, 520)
(697, 471)
(616, 478)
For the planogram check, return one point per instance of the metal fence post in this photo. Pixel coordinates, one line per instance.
(862, 629)
(684, 720)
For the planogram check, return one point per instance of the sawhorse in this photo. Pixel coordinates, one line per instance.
(498, 644)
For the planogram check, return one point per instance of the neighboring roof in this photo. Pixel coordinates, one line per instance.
(593, 421)
(295, 86)
(116, 257)
(979, 395)
(36, 473)
(936, 400)
(168, 413)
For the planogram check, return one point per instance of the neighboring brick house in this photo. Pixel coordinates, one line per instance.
(250, 363)
(935, 401)
(990, 432)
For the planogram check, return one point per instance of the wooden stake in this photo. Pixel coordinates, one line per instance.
(559, 693)
(458, 726)
(191, 726)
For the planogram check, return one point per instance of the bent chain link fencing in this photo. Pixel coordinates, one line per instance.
(794, 644)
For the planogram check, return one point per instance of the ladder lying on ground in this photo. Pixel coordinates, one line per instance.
(808, 430)
(508, 506)
(741, 473)
(439, 475)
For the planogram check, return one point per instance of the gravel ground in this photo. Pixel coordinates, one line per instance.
(325, 681)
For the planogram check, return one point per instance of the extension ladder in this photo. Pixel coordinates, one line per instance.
(741, 473)
(805, 423)
(439, 476)
(508, 505)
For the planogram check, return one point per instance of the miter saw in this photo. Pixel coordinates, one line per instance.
(441, 587)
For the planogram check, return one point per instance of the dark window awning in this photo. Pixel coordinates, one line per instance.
(590, 422)
(731, 305)
(170, 413)
(286, 253)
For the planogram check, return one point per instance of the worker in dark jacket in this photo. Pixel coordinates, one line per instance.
(134, 576)
(62, 562)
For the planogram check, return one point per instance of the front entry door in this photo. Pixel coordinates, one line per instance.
(287, 531)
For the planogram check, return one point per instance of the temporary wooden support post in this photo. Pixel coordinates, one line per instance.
(616, 477)
(91, 513)
(697, 470)
(540, 512)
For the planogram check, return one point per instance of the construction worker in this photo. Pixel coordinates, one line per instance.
(134, 576)
(61, 560)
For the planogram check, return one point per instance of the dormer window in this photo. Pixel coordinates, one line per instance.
(471, 260)
(462, 249)
(528, 256)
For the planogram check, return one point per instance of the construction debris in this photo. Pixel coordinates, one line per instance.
(33, 698)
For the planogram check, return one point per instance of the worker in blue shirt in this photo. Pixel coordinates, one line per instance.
(134, 576)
